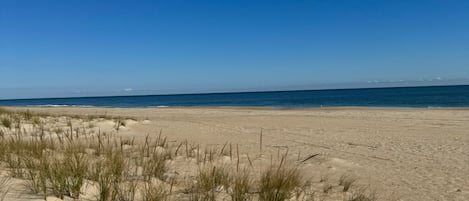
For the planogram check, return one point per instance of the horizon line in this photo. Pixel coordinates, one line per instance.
(239, 92)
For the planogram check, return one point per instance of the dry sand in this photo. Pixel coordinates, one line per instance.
(405, 154)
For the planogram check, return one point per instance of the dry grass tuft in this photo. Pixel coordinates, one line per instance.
(34, 174)
(6, 122)
(55, 155)
(105, 180)
(127, 190)
(347, 180)
(210, 180)
(58, 178)
(278, 182)
(155, 166)
(154, 192)
(240, 184)
(363, 195)
(77, 166)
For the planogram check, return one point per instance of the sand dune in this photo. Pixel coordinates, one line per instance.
(405, 154)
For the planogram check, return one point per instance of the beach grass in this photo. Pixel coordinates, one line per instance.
(278, 182)
(56, 156)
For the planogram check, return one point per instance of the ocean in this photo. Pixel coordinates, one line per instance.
(419, 97)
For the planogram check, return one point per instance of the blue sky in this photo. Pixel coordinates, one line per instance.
(90, 47)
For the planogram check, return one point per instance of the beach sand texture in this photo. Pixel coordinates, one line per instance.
(405, 154)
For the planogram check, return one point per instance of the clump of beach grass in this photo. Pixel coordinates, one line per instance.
(14, 164)
(154, 192)
(240, 184)
(58, 178)
(108, 174)
(277, 182)
(105, 181)
(127, 190)
(209, 181)
(6, 122)
(34, 175)
(155, 166)
(77, 166)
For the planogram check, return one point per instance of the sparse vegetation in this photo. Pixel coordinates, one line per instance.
(240, 183)
(362, 194)
(154, 192)
(6, 122)
(127, 190)
(57, 156)
(278, 182)
(208, 182)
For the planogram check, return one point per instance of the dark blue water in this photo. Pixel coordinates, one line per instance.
(435, 96)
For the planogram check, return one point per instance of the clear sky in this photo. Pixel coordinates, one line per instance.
(97, 47)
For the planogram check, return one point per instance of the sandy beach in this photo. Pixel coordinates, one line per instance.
(404, 154)
(234, 100)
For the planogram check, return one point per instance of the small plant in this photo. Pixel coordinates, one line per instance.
(36, 174)
(127, 190)
(77, 165)
(6, 122)
(278, 182)
(240, 184)
(155, 166)
(109, 174)
(105, 182)
(154, 192)
(362, 195)
(115, 164)
(58, 178)
(33, 182)
(346, 180)
(15, 165)
(208, 181)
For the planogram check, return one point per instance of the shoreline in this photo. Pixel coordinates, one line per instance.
(244, 107)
